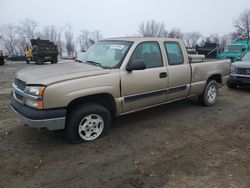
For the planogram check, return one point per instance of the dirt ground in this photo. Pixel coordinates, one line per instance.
(181, 144)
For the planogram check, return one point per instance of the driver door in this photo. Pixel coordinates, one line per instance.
(148, 87)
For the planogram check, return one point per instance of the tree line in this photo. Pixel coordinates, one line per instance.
(152, 28)
(17, 37)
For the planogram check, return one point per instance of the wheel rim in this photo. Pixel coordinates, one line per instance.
(211, 94)
(91, 127)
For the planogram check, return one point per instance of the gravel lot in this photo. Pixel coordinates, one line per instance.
(181, 144)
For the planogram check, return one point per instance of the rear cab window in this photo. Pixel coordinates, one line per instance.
(174, 53)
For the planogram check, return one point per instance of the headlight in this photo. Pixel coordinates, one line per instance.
(35, 90)
(233, 69)
(34, 103)
(34, 96)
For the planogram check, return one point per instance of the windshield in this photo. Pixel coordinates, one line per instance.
(106, 54)
(246, 57)
(233, 48)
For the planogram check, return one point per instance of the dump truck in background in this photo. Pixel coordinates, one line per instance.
(235, 51)
(43, 51)
(1, 51)
(209, 49)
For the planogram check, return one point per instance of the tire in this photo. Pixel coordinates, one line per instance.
(210, 93)
(39, 61)
(54, 61)
(27, 61)
(1, 61)
(87, 122)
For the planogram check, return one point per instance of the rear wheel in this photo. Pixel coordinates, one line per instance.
(54, 60)
(87, 122)
(39, 61)
(1, 61)
(210, 93)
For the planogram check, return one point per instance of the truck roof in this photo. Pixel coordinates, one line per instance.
(142, 39)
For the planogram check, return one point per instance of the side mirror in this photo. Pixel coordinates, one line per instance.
(137, 64)
(244, 49)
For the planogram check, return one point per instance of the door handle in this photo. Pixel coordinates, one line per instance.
(163, 75)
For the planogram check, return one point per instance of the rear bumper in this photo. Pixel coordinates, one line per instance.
(239, 79)
(51, 119)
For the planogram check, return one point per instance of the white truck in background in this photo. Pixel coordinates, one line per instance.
(1, 51)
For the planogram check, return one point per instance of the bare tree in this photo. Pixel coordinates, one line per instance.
(50, 33)
(242, 26)
(68, 34)
(8, 31)
(83, 40)
(224, 40)
(175, 33)
(192, 38)
(213, 38)
(59, 41)
(27, 29)
(152, 28)
(97, 35)
(87, 39)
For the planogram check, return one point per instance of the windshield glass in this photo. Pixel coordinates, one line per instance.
(233, 48)
(246, 57)
(106, 54)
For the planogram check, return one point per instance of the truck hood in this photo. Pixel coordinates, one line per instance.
(48, 74)
(241, 64)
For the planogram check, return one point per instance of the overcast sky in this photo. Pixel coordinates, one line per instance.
(121, 17)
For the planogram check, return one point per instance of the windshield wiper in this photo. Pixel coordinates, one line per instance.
(97, 64)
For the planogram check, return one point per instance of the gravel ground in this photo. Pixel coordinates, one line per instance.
(181, 144)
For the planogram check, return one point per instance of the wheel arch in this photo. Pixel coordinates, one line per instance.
(216, 77)
(105, 99)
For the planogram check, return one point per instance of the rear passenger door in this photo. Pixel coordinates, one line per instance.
(143, 88)
(178, 71)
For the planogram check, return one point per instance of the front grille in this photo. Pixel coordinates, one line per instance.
(18, 97)
(244, 71)
(20, 84)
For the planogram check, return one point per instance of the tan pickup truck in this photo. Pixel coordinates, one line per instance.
(114, 77)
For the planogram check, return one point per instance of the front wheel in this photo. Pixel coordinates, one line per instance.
(210, 93)
(27, 60)
(39, 61)
(87, 122)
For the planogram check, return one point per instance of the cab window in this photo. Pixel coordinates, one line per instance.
(150, 53)
(174, 53)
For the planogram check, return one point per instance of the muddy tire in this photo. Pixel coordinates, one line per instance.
(39, 61)
(87, 122)
(210, 93)
(1, 61)
(54, 60)
(27, 61)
